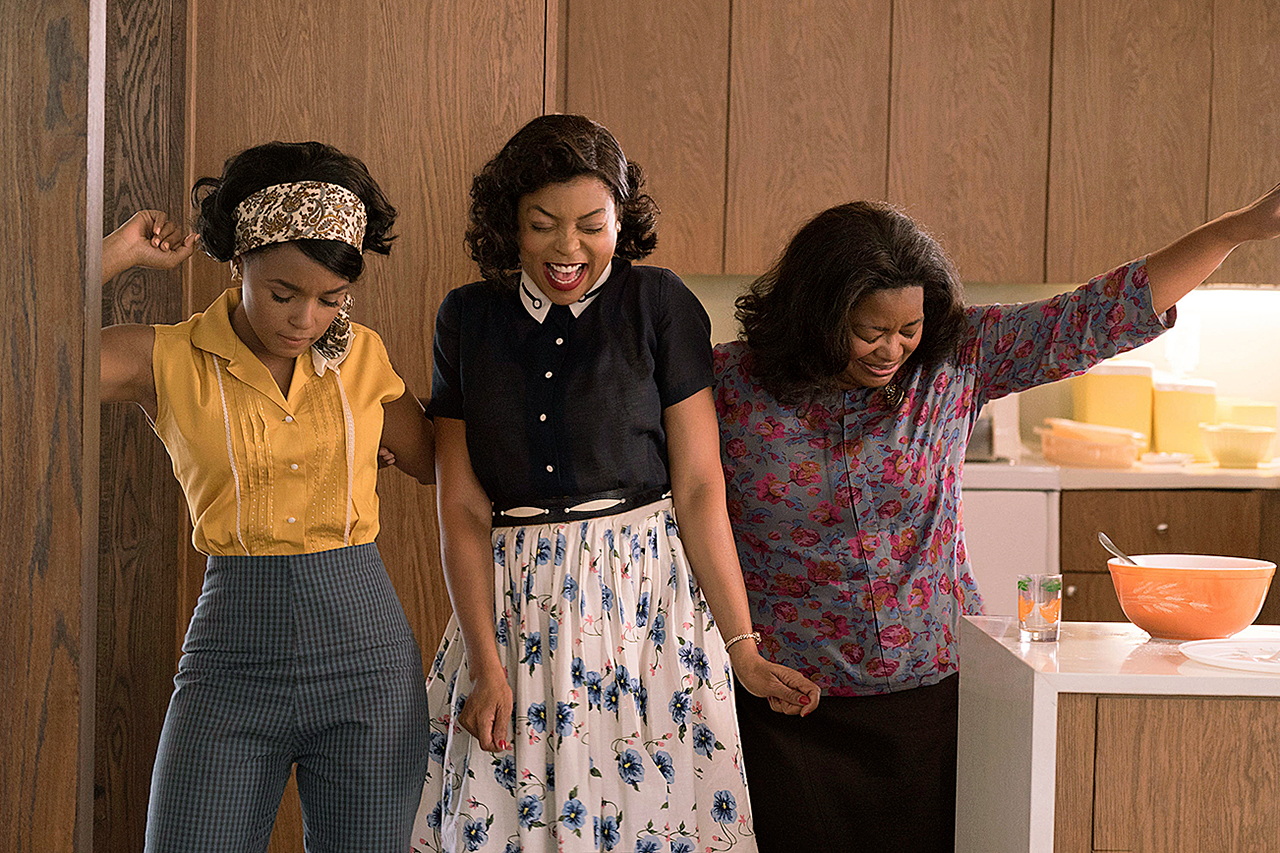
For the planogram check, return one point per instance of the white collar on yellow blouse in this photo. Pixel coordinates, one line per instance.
(537, 304)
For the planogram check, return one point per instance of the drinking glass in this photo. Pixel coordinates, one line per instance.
(1039, 607)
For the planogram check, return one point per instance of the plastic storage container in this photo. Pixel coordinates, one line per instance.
(1178, 408)
(1116, 393)
(1079, 445)
(1239, 410)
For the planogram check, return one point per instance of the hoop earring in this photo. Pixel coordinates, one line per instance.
(235, 271)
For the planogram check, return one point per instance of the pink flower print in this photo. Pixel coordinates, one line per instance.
(1024, 350)
(804, 473)
(769, 428)
(944, 584)
(770, 644)
(825, 513)
(832, 626)
(820, 442)
(823, 571)
(883, 592)
(943, 660)
(922, 416)
(790, 585)
(920, 593)
(894, 466)
(904, 546)
(771, 489)
(786, 611)
(1115, 282)
(1005, 342)
(754, 581)
(895, 637)
(868, 542)
(889, 508)
(804, 537)
(813, 491)
(852, 652)
(844, 498)
(941, 382)
(775, 536)
(736, 448)
(881, 668)
(1115, 317)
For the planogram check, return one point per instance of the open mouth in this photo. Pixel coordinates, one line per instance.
(876, 370)
(565, 276)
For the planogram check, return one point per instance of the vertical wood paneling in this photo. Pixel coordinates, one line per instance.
(969, 130)
(1244, 155)
(424, 93)
(655, 73)
(144, 538)
(1128, 161)
(48, 438)
(808, 118)
(1073, 789)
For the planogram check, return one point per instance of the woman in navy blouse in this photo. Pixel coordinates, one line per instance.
(582, 696)
(844, 413)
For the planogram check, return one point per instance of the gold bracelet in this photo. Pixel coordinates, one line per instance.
(754, 635)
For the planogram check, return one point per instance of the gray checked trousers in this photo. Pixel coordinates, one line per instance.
(304, 660)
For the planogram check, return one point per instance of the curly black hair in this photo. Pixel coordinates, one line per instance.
(795, 318)
(272, 163)
(553, 149)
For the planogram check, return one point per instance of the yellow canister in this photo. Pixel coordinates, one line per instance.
(1115, 393)
(1179, 407)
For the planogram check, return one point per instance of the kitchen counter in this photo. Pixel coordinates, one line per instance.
(1009, 726)
(1034, 473)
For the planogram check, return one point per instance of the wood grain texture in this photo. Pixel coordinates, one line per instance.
(1269, 549)
(808, 118)
(1197, 521)
(1090, 597)
(143, 533)
(1128, 148)
(1073, 793)
(1244, 152)
(424, 93)
(655, 73)
(969, 130)
(48, 488)
(1177, 774)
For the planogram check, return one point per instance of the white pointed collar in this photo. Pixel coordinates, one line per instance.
(537, 304)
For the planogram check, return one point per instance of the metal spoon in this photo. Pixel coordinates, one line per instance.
(1111, 546)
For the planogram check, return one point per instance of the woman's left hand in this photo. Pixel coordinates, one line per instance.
(788, 691)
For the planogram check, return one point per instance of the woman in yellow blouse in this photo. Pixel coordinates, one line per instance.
(273, 405)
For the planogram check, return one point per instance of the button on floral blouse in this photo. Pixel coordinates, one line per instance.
(846, 511)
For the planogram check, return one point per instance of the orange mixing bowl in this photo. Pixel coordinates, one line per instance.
(1191, 596)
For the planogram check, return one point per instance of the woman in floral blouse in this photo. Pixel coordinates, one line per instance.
(844, 413)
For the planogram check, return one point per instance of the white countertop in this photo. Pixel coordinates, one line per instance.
(1119, 657)
(1032, 473)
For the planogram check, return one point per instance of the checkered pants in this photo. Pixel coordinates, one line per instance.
(304, 659)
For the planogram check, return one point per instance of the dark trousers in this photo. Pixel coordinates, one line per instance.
(875, 773)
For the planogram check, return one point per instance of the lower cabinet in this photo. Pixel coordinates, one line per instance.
(1232, 522)
(1166, 774)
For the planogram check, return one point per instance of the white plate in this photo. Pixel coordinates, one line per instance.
(1234, 654)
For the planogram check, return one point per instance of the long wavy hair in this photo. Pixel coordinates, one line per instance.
(796, 317)
(553, 149)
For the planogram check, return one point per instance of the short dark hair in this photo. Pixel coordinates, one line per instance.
(252, 169)
(795, 318)
(553, 149)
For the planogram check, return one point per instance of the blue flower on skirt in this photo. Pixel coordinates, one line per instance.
(682, 845)
(500, 549)
(574, 814)
(611, 697)
(658, 630)
(679, 707)
(559, 549)
(433, 819)
(475, 834)
(528, 582)
(537, 717)
(504, 770)
(641, 695)
(608, 539)
(637, 551)
(564, 719)
(665, 766)
(578, 671)
(501, 633)
(544, 551)
(686, 656)
(642, 610)
(519, 540)
(528, 810)
(532, 649)
(606, 598)
(553, 634)
(648, 844)
(436, 749)
(594, 690)
(701, 666)
(631, 767)
(704, 740)
(670, 520)
(724, 808)
(653, 541)
(551, 777)
(513, 847)
(623, 677)
(570, 590)
(609, 835)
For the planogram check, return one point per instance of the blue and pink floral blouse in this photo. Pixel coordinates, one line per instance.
(847, 512)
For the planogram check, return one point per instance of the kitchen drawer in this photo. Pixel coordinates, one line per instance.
(1158, 521)
(1090, 597)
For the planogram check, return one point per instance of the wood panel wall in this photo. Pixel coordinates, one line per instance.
(49, 217)
(655, 75)
(425, 93)
(808, 118)
(969, 130)
(144, 538)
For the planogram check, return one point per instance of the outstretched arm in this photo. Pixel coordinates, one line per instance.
(1186, 262)
(697, 489)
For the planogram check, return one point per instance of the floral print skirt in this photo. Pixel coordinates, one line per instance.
(625, 733)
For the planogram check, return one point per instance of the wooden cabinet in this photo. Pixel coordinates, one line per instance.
(1164, 774)
(1232, 522)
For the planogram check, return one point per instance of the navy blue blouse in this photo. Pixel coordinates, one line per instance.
(571, 405)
